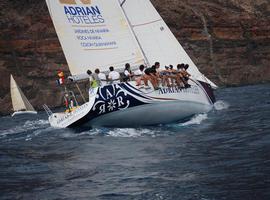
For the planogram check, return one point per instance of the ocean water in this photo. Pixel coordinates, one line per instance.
(224, 154)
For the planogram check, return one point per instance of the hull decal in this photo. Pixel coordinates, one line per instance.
(134, 91)
(124, 98)
(109, 99)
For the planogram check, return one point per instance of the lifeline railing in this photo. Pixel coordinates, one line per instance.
(48, 110)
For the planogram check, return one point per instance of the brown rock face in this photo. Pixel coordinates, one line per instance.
(228, 40)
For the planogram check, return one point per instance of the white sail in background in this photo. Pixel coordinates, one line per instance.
(94, 34)
(19, 101)
(155, 38)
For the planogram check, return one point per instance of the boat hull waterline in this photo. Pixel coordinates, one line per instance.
(123, 105)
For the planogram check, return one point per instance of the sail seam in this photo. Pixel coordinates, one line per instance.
(147, 23)
(146, 61)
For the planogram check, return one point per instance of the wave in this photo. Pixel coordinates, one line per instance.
(156, 131)
(70, 133)
(160, 130)
(27, 126)
(221, 105)
(36, 122)
(129, 132)
(196, 120)
(111, 132)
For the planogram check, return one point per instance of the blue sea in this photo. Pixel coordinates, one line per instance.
(224, 154)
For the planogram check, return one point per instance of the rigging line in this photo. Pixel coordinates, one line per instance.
(80, 94)
(146, 61)
(123, 3)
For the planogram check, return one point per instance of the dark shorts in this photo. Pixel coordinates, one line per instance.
(164, 73)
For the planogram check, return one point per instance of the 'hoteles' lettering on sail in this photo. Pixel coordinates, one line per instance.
(83, 15)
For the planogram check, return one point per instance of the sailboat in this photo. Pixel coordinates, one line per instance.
(20, 103)
(102, 33)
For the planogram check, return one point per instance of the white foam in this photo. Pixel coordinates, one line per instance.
(28, 125)
(221, 105)
(129, 132)
(196, 120)
(28, 138)
(69, 133)
(90, 132)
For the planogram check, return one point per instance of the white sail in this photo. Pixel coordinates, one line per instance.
(155, 38)
(19, 101)
(94, 34)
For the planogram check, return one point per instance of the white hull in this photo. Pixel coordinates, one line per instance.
(151, 114)
(122, 105)
(24, 113)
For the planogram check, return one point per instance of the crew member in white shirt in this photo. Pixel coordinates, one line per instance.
(114, 76)
(139, 75)
(101, 78)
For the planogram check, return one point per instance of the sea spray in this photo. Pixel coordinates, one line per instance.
(129, 132)
(196, 120)
(221, 105)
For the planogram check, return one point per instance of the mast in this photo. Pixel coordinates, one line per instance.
(131, 28)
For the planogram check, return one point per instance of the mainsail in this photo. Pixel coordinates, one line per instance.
(156, 40)
(94, 34)
(19, 101)
(103, 33)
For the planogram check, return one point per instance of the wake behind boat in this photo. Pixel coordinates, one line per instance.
(101, 33)
(21, 105)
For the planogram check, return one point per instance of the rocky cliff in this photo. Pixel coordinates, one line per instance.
(228, 40)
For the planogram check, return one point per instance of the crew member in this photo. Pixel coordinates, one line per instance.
(114, 76)
(102, 79)
(127, 73)
(151, 74)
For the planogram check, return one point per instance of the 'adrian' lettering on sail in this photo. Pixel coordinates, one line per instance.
(82, 15)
